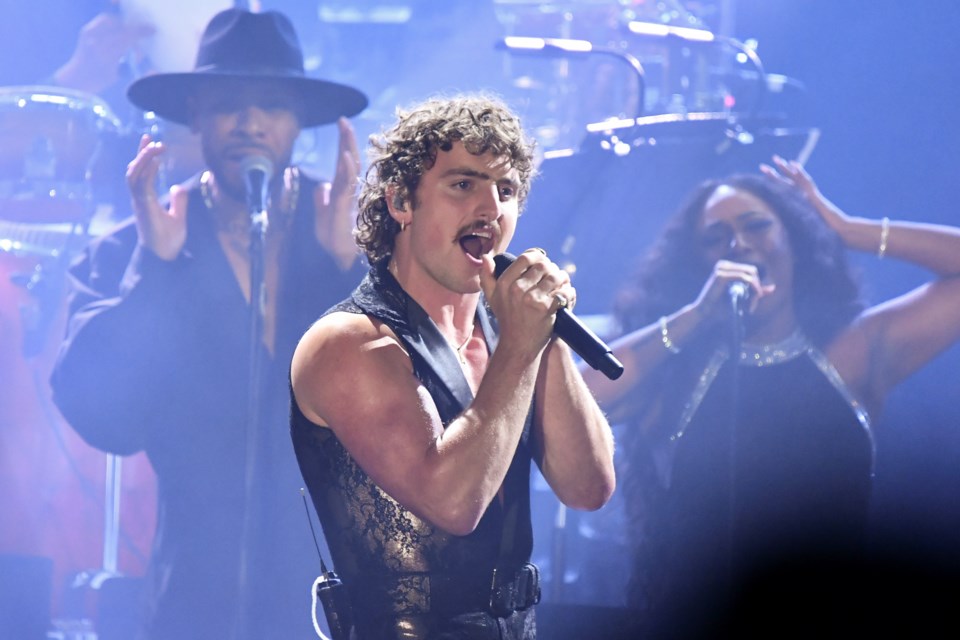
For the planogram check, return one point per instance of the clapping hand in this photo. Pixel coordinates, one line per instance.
(336, 204)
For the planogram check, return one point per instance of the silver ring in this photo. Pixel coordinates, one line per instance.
(561, 299)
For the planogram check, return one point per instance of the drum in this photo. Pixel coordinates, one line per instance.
(55, 486)
(49, 139)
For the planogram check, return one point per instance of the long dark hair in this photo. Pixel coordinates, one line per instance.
(827, 293)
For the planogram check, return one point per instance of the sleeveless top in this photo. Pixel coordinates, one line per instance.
(770, 458)
(392, 562)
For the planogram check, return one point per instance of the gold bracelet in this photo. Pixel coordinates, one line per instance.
(884, 234)
(665, 337)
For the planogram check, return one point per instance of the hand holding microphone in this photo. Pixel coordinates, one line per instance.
(733, 287)
(577, 335)
(739, 294)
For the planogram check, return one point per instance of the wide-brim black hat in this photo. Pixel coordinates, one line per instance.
(239, 44)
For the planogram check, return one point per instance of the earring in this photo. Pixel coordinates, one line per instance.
(403, 225)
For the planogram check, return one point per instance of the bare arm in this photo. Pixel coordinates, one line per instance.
(891, 341)
(575, 444)
(351, 373)
(933, 247)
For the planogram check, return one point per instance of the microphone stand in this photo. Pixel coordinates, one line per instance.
(258, 232)
(736, 341)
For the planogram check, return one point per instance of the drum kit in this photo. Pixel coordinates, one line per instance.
(51, 140)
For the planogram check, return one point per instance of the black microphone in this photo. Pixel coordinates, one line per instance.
(257, 172)
(739, 293)
(577, 335)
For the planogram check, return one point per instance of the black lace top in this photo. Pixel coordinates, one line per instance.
(392, 562)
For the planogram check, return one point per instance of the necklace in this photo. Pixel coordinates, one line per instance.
(752, 355)
(459, 350)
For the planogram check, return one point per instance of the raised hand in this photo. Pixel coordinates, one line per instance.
(336, 203)
(101, 44)
(160, 229)
(713, 301)
(792, 173)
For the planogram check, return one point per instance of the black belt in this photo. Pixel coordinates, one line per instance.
(520, 592)
(499, 594)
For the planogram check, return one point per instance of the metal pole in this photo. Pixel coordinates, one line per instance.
(111, 524)
(258, 232)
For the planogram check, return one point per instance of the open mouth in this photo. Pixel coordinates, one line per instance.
(477, 244)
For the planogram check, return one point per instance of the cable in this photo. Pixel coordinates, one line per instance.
(329, 589)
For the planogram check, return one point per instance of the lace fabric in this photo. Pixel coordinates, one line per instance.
(386, 555)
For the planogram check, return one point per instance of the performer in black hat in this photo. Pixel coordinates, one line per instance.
(164, 354)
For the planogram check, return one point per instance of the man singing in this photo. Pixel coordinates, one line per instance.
(420, 401)
(159, 354)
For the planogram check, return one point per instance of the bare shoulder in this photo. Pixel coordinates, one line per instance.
(894, 339)
(341, 356)
(340, 332)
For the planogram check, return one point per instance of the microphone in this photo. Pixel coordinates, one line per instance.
(257, 172)
(577, 335)
(739, 293)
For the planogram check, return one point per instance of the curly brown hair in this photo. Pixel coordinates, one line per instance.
(401, 155)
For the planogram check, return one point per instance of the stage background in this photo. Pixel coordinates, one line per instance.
(877, 83)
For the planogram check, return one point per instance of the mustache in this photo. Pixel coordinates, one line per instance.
(479, 226)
